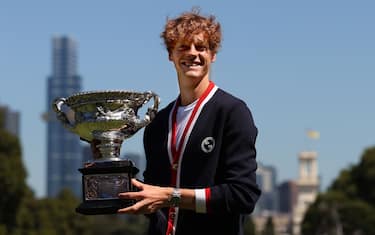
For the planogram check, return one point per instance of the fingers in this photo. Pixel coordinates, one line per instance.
(149, 199)
(141, 207)
(131, 195)
(139, 195)
(134, 209)
(138, 184)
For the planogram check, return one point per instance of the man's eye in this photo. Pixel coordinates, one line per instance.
(183, 48)
(200, 48)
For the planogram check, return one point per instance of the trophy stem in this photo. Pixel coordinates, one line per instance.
(110, 145)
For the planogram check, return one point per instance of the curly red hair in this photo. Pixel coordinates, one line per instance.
(188, 24)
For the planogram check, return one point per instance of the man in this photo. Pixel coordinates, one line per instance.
(200, 149)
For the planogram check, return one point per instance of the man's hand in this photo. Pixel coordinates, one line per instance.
(149, 199)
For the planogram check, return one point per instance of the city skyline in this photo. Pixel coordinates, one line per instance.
(298, 66)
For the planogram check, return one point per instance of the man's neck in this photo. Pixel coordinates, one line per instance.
(189, 94)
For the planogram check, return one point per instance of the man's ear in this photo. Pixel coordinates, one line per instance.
(213, 57)
(170, 55)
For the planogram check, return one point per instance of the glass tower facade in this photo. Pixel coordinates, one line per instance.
(64, 150)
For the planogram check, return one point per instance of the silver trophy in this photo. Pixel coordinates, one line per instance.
(105, 119)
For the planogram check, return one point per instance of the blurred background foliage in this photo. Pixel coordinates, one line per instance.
(348, 206)
(21, 213)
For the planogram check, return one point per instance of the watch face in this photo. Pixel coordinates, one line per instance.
(175, 197)
(175, 201)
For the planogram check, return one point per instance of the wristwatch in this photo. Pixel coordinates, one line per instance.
(175, 198)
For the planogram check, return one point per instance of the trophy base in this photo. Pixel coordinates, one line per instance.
(101, 184)
(103, 207)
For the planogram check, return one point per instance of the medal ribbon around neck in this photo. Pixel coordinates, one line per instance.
(176, 150)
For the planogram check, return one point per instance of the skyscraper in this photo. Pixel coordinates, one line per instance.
(266, 179)
(64, 151)
(11, 120)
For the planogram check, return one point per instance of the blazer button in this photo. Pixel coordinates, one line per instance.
(175, 166)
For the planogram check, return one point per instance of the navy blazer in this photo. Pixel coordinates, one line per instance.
(228, 170)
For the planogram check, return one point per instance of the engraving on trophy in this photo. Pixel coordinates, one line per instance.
(106, 119)
(103, 187)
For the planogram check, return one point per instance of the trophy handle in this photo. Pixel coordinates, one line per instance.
(57, 105)
(151, 111)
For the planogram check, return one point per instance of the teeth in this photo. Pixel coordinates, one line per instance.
(190, 64)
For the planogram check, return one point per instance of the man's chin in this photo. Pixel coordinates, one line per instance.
(194, 74)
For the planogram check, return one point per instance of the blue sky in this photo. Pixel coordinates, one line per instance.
(298, 64)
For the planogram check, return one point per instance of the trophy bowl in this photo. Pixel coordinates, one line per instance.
(105, 119)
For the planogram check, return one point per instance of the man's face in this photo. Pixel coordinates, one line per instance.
(192, 59)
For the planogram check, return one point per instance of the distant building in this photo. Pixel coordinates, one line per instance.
(11, 120)
(307, 187)
(287, 192)
(64, 151)
(266, 179)
(281, 223)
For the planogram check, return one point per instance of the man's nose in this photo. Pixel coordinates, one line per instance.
(193, 50)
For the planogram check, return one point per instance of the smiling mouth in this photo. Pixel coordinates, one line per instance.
(192, 63)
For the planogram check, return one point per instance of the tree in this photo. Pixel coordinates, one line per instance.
(356, 181)
(249, 226)
(334, 213)
(12, 179)
(119, 224)
(364, 176)
(2, 117)
(269, 228)
(348, 206)
(52, 216)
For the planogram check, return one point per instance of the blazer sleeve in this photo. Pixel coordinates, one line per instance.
(238, 191)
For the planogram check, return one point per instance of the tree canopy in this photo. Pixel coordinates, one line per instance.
(12, 178)
(348, 206)
(269, 228)
(249, 226)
